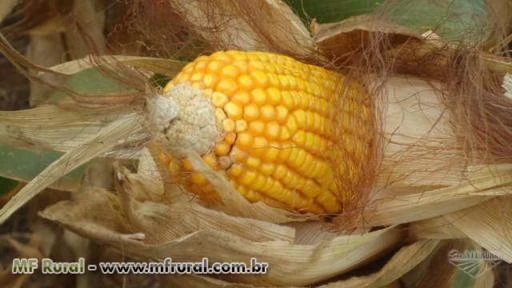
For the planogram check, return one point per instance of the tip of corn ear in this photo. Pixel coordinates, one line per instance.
(183, 118)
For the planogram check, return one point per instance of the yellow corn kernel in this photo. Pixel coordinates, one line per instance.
(283, 141)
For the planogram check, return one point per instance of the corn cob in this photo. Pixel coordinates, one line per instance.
(283, 141)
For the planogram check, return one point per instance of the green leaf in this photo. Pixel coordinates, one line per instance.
(92, 81)
(463, 280)
(23, 165)
(454, 20)
(451, 19)
(6, 185)
(326, 11)
(159, 80)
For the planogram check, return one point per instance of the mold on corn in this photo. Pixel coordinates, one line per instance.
(287, 138)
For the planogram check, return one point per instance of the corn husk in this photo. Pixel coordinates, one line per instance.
(186, 231)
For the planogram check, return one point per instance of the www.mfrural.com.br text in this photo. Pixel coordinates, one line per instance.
(166, 266)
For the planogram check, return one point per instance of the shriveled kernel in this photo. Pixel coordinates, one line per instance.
(233, 110)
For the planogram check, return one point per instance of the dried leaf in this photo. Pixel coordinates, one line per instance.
(186, 231)
(402, 262)
(168, 67)
(277, 27)
(488, 224)
(6, 7)
(348, 37)
(427, 204)
(104, 140)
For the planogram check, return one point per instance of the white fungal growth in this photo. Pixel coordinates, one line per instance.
(184, 118)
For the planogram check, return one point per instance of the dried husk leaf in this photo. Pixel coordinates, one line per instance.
(412, 255)
(64, 128)
(402, 262)
(419, 144)
(344, 39)
(104, 140)
(167, 67)
(434, 228)
(407, 50)
(277, 28)
(187, 231)
(418, 205)
(6, 8)
(488, 224)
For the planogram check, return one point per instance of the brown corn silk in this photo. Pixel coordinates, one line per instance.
(295, 136)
